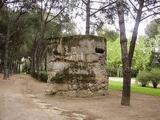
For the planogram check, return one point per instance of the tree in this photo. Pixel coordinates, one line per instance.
(153, 28)
(153, 41)
(154, 44)
(11, 13)
(141, 58)
(110, 35)
(91, 8)
(48, 13)
(151, 8)
(30, 24)
(43, 17)
(113, 56)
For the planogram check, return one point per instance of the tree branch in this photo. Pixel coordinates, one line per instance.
(55, 16)
(94, 1)
(49, 11)
(131, 13)
(155, 13)
(135, 33)
(148, 9)
(133, 5)
(85, 2)
(102, 8)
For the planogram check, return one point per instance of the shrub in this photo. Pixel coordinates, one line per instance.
(155, 79)
(41, 75)
(26, 69)
(143, 77)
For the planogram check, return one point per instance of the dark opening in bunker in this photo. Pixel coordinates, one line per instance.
(55, 52)
(99, 50)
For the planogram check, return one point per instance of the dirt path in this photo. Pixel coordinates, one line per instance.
(22, 98)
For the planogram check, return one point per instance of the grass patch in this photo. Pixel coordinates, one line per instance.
(114, 85)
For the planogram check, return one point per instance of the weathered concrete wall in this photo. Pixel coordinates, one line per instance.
(76, 66)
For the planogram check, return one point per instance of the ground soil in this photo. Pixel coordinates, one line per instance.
(23, 98)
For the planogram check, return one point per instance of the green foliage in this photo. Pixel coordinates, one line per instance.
(113, 85)
(41, 75)
(153, 41)
(141, 56)
(11, 21)
(134, 72)
(113, 57)
(144, 78)
(110, 35)
(152, 29)
(26, 69)
(155, 79)
(26, 28)
(153, 76)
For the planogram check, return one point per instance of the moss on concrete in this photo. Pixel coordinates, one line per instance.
(73, 38)
(65, 76)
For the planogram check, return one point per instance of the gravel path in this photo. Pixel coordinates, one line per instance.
(22, 98)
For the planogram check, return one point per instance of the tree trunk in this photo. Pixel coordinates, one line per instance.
(135, 32)
(45, 63)
(88, 17)
(11, 68)
(33, 57)
(33, 63)
(155, 84)
(124, 53)
(1, 3)
(6, 54)
(19, 67)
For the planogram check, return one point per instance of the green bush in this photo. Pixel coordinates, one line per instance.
(41, 75)
(153, 76)
(155, 79)
(114, 73)
(26, 69)
(144, 77)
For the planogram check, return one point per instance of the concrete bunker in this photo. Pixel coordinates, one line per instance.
(76, 66)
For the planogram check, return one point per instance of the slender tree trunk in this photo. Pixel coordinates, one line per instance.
(33, 63)
(11, 68)
(1, 67)
(1, 4)
(45, 62)
(33, 57)
(135, 32)
(124, 53)
(6, 54)
(14, 66)
(37, 55)
(88, 17)
(19, 67)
